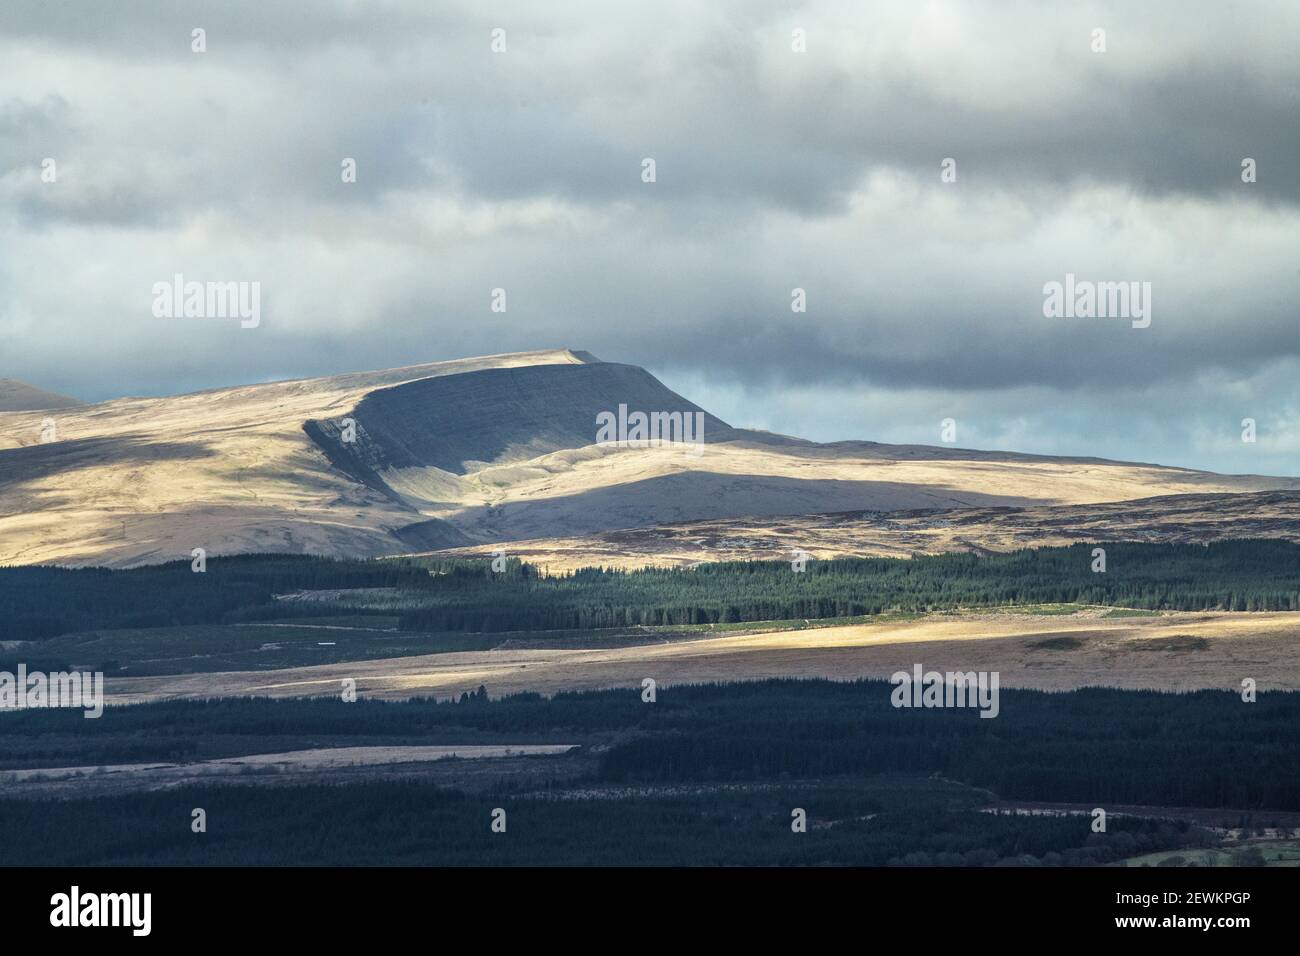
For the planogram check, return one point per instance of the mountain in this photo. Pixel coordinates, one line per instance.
(466, 422)
(16, 396)
(475, 452)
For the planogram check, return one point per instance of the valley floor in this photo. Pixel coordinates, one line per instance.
(1172, 651)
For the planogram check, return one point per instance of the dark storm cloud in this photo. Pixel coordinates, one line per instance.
(567, 117)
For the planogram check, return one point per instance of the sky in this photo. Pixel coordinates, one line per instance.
(795, 146)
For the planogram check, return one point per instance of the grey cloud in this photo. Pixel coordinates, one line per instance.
(775, 170)
(560, 114)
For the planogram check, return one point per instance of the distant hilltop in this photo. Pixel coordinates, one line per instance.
(16, 396)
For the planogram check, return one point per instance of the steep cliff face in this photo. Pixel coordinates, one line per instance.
(463, 423)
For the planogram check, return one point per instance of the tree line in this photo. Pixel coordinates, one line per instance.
(469, 595)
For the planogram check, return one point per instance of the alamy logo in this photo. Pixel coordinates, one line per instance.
(644, 430)
(103, 909)
(179, 299)
(60, 689)
(951, 689)
(1084, 299)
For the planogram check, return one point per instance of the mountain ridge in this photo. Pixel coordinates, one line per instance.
(467, 452)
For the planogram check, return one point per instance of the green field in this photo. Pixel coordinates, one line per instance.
(325, 639)
(204, 648)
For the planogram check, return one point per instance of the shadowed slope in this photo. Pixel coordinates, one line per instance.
(16, 396)
(496, 416)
